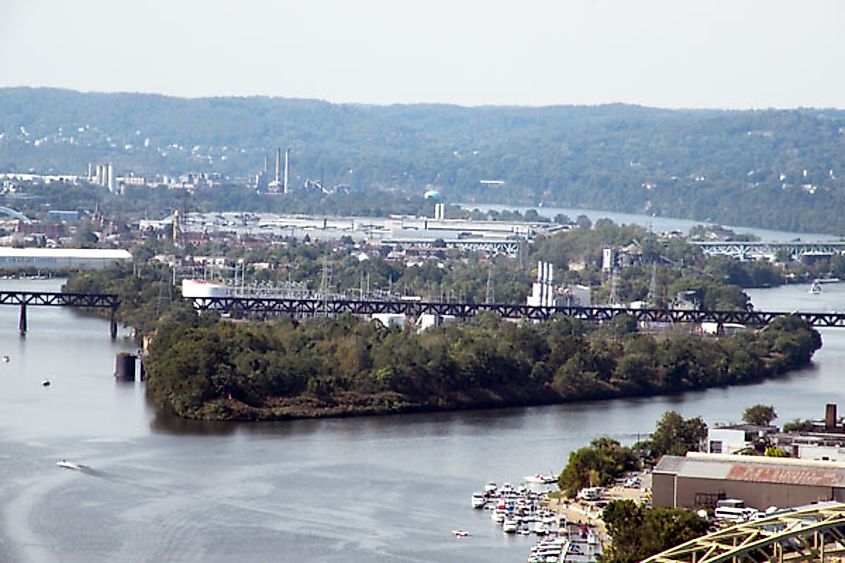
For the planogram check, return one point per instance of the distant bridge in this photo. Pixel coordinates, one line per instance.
(491, 245)
(758, 250)
(59, 299)
(310, 307)
(15, 214)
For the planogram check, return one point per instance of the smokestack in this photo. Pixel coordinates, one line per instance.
(830, 416)
(286, 172)
(266, 164)
(539, 272)
(544, 295)
(278, 165)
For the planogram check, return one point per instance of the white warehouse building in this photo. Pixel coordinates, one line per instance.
(60, 258)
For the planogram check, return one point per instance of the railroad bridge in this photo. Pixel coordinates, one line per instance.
(59, 299)
(311, 307)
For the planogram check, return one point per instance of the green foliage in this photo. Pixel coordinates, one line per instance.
(798, 425)
(639, 532)
(145, 291)
(761, 415)
(674, 435)
(487, 362)
(774, 451)
(596, 465)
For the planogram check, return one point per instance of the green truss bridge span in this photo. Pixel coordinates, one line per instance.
(807, 534)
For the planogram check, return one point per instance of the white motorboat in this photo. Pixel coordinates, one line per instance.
(510, 526)
(490, 487)
(540, 528)
(70, 465)
(540, 479)
(478, 500)
(460, 533)
(815, 288)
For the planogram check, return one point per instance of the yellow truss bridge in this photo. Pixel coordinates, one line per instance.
(813, 533)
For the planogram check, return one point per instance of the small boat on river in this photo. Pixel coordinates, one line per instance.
(71, 465)
(815, 288)
(540, 479)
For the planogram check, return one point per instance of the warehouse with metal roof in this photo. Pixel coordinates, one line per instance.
(60, 258)
(699, 479)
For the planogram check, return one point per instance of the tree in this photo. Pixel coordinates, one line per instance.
(600, 463)
(583, 222)
(674, 435)
(639, 532)
(760, 415)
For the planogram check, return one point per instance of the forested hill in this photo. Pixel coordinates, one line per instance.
(773, 168)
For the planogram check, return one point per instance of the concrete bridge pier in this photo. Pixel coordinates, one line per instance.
(22, 320)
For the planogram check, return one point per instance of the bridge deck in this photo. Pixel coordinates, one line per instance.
(318, 307)
(59, 299)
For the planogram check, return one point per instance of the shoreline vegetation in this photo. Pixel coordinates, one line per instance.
(201, 367)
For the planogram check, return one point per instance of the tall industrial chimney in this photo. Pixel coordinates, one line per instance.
(830, 416)
(285, 190)
(278, 166)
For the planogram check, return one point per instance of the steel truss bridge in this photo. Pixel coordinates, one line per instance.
(492, 245)
(310, 307)
(815, 533)
(757, 250)
(59, 299)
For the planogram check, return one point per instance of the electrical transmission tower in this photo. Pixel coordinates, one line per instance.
(490, 292)
(652, 286)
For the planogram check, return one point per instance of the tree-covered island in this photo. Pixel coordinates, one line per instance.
(207, 368)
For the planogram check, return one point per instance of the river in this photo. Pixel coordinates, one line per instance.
(361, 489)
(655, 223)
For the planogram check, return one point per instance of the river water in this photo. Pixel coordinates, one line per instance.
(363, 489)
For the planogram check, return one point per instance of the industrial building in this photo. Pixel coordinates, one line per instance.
(60, 258)
(698, 480)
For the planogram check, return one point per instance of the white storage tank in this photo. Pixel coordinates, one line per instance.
(203, 288)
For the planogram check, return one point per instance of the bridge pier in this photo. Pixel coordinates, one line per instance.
(112, 325)
(22, 320)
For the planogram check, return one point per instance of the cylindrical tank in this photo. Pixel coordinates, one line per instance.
(124, 366)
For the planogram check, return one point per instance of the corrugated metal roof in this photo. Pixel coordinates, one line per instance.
(102, 253)
(755, 469)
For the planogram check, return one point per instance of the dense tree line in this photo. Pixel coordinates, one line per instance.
(770, 168)
(206, 369)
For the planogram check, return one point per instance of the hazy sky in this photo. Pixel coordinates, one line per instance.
(669, 53)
